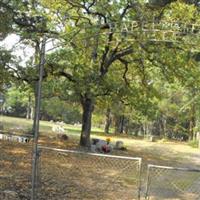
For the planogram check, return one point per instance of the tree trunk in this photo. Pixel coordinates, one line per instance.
(191, 128)
(108, 121)
(28, 109)
(126, 129)
(122, 119)
(34, 116)
(119, 124)
(88, 107)
(32, 112)
(164, 127)
(192, 123)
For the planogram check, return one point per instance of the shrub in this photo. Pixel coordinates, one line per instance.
(194, 143)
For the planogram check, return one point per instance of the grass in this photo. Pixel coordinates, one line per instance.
(194, 143)
(159, 153)
(45, 126)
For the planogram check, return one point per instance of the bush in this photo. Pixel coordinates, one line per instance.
(194, 143)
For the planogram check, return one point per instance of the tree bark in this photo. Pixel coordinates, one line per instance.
(108, 121)
(191, 128)
(88, 107)
(122, 119)
(28, 109)
(192, 123)
(119, 124)
(34, 115)
(126, 129)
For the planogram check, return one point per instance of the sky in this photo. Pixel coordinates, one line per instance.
(11, 42)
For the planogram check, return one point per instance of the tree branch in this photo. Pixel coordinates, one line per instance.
(125, 63)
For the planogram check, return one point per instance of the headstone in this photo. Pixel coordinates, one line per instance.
(26, 140)
(58, 129)
(100, 144)
(94, 141)
(64, 137)
(106, 148)
(152, 138)
(93, 148)
(119, 145)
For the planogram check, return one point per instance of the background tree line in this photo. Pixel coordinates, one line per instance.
(137, 85)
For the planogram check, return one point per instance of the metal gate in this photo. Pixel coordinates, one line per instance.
(164, 183)
(67, 174)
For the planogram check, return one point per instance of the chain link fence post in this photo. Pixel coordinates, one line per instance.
(36, 123)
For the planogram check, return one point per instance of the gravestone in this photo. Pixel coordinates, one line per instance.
(62, 137)
(152, 138)
(119, 145)
(95, 141)
(93, 148)
(100, 144)
(57, 128)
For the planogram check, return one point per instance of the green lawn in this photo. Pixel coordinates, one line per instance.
(164, 153)
(19, 124)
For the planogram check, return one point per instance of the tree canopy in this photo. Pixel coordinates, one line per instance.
(121, 53)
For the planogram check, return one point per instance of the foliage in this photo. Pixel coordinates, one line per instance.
(5, 58)
(99, 64)
(16, 102)
(194, 143)
(57, 110)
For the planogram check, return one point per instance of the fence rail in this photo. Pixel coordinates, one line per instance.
(172, 183)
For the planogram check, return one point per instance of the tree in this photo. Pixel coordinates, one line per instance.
(92, 51)
(17, 102)
(94, 46)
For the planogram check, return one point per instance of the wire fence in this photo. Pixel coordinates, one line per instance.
(164, 183)
(15, 170)
(69, 174)
(82, 175)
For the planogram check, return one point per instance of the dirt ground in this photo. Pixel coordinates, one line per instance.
(81, 177)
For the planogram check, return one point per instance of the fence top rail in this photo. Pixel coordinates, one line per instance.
(91, 154)
(173, 168)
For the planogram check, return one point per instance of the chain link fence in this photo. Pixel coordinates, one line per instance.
(15, 170)
(66, 174)
(169, 183)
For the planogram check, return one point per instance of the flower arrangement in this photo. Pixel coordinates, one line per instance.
(108, 140)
